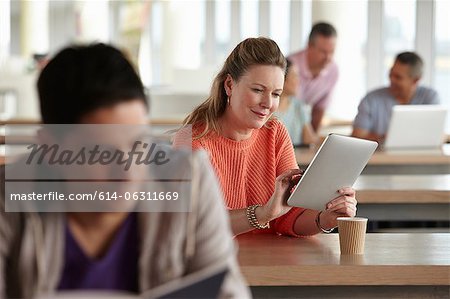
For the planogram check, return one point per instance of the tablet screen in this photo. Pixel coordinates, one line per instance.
(338, 163)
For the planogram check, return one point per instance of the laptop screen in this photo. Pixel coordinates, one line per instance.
(416, 126)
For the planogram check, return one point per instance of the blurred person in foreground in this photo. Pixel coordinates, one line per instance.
(46, 253)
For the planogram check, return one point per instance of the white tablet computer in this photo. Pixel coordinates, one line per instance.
(338, 163)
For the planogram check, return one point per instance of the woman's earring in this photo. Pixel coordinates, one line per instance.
(228, 101)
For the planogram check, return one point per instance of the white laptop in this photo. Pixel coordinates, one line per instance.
(416, 127)
(338, 163)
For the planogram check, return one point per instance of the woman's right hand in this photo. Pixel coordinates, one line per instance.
(277, 205)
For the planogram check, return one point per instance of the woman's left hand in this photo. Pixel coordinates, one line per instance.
(342, 206)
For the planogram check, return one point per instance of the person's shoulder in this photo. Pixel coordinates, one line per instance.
(179, 156)
(426, 88)
(179, 162)
(187, 137)
(277, 140)
(302, 108)
(296, 102)
(298, 105)
(297, 53)
(333, 67)
(275, 129)
(183, 137)
(427, 92)
(273, 125)
(296, 56)
(376, 94)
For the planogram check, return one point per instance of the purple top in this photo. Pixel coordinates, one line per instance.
(116, 270)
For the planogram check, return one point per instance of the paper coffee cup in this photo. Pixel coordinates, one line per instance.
(352, 234)
(352, 259)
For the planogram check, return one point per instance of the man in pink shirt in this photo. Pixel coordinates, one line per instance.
(318, 73)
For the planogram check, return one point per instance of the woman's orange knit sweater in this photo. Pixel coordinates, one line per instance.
(247, 169)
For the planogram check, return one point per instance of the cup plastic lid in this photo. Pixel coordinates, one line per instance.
(352, 219)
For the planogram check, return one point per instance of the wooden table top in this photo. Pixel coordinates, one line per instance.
(408, 189)
(401, 157)
(389, 259)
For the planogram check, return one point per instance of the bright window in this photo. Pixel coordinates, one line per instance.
(351, 57)
(5, 30)
(222, 18)
(279, 23)
(399, 30)
(249, 18)
(156, 43)
(442, 54)
(93, 21)
(187, 20)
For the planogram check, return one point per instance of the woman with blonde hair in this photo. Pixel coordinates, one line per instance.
(250, 151)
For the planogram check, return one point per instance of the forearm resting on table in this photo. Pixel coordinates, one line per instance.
(240, 223)
(305, 225)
